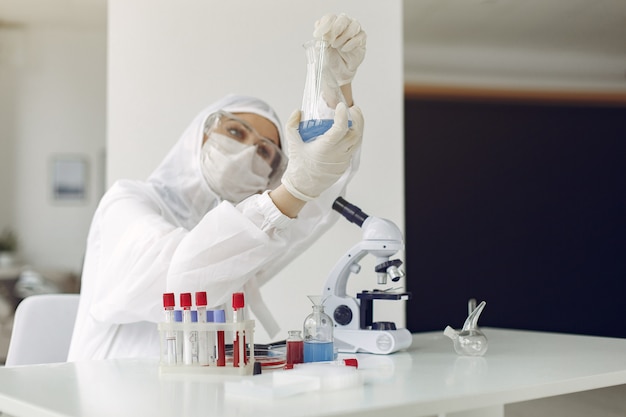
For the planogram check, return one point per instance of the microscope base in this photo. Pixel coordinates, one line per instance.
(380, 342)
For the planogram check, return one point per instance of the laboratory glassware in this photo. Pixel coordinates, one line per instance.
(295, 347)
(469, 341)
(188, 324)
(169, 341)
(178, 318)
(203, 336)
(190, 338)
(219, 316)
(239, 351)
(321, 92)
(318, 333)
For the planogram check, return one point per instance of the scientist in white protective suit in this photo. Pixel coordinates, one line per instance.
(224, 212)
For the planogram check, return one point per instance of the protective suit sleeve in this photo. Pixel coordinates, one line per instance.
(228, 247)
(129, 249)
(143, 255)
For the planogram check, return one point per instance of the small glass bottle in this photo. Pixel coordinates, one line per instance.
(318, 334)
(295, 347)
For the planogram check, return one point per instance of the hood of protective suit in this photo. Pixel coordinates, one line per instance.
(178, 179)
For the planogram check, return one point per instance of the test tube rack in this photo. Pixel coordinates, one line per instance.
(245, 327)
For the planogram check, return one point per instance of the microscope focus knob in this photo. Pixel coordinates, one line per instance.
(342, 315)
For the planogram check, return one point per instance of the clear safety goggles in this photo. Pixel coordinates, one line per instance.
(237, 129)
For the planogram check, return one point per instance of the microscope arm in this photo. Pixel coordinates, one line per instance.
(337, 281)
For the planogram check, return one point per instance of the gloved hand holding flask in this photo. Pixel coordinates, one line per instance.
(315, 166)
(347, 45)
(333, 57)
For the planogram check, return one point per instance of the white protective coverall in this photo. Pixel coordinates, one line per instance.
(171, 233)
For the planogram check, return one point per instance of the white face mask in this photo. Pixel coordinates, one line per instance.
(233, 170)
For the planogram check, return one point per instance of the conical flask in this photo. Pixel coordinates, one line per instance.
(318, 333)
(321, 92)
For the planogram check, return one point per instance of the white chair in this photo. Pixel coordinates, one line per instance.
(42, 329)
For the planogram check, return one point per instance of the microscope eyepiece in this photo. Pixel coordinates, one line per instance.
(350, 211)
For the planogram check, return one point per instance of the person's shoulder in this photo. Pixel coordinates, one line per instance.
(126, 189)
(127, 185)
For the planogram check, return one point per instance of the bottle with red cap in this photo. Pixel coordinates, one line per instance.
(169, 341)
(238, 305)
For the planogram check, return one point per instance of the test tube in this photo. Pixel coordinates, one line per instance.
(203, 336)
(210, 318)
(220, 317)
(178, 318)
(170, 335)
(189, 337)
(195, 335)
(239, 340)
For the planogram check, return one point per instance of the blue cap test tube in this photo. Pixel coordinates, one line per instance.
(178, 318)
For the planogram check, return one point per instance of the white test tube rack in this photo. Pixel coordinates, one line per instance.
(230, 328)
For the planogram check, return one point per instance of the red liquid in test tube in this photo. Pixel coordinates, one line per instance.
(220, 317)
(238, 304)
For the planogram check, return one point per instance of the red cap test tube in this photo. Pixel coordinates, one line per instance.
(239, 351)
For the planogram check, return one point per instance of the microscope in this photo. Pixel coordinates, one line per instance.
(354, 328)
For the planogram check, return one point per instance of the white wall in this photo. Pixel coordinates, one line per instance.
(168, 60)
(8, 78)
(56, 106)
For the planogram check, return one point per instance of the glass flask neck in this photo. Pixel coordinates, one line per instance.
(318, 307)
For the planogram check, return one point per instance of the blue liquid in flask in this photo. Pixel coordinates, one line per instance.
(312, 128)
(318, 351)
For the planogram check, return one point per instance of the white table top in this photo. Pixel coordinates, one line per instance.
(429, 378)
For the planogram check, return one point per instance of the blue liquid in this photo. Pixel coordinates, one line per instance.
(318, 351)
(310, 129)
